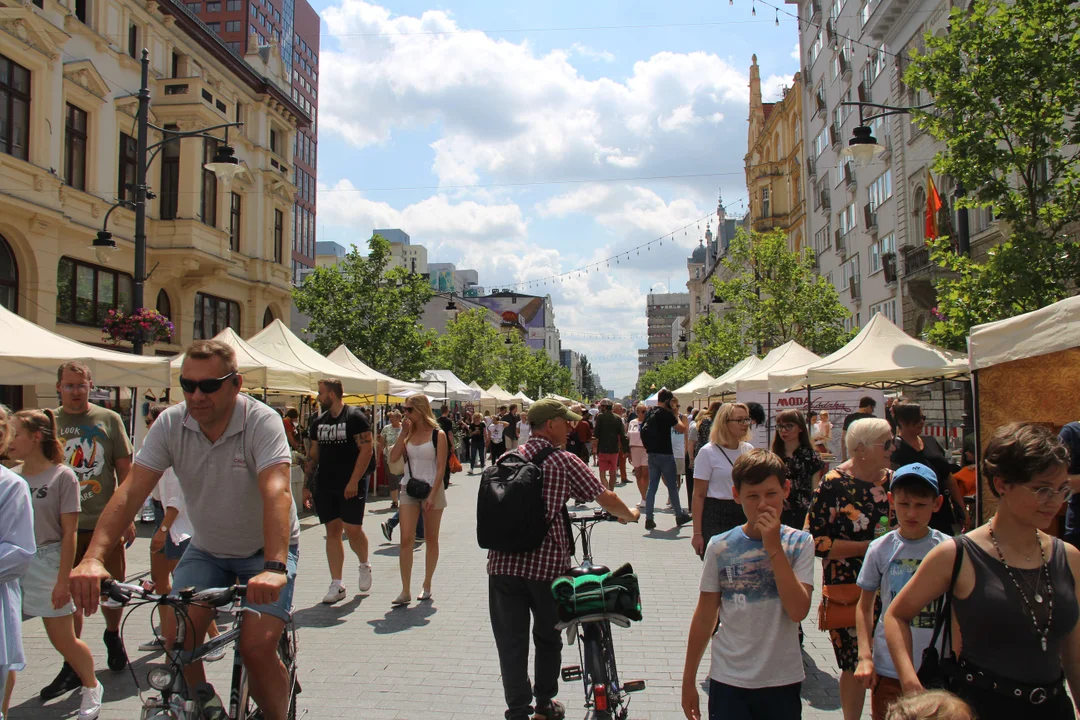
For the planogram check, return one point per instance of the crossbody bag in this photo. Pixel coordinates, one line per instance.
(416, 488)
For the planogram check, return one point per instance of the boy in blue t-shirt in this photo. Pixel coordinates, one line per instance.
(763, 575)
(890, 562)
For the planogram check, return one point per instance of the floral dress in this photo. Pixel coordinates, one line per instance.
(844, 507)
(802, 466)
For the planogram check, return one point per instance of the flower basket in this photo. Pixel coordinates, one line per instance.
(120, 328)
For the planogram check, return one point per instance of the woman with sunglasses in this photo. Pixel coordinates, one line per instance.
(639, 458)
(848, 511)
(425, 448)
(1014, 599)
(912, 446)
(715, 510)
(792, 443)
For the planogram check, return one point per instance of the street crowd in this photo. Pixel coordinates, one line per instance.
(933, 622)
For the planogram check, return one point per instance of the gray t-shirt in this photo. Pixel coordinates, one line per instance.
(220, 480)
(53, 492)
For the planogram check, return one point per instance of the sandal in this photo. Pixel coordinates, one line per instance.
(425, 596)
(401, 600)
(554, 711)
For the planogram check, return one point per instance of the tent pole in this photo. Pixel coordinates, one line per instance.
(768, 420)
(945, 415)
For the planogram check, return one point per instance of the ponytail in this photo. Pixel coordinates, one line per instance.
(44, 422)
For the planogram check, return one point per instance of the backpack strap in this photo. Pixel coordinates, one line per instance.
(538, 460)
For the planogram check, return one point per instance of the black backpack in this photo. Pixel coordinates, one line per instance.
(510, 512)
(651, 431)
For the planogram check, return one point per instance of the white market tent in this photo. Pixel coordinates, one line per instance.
(689, 392)
(522, 398)
(455, 389)
(501, 395)
(1047, 330)
(651, 400)
(30, 354)
(260, 371)
(725, 384)
(560, 398)
(279, 342)
(789, 355)
(880, 356)
(387, 386)
(487, 400)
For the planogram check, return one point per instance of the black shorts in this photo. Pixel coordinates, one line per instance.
(330, 503)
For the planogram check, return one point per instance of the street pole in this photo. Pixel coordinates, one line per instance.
(137, 293)
(963, 238)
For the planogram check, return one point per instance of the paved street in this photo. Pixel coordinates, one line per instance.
(363, 659)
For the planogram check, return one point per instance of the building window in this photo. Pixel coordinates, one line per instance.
(125, 189)
(208, 208)
(232, 5)
(170, 178)
(234, 222)
(75, 148)
(279, 235)
(234, 45)
(880, 190)
(232, 26)
(14, 108)
(214, 314)
(213, 7)
(274, 141)
(86, 293)
(765, 204)
(268, 317)
(133, 40)
(9, 277)
(164, 305)
(215, 27)
(81, 10)
(194, 7)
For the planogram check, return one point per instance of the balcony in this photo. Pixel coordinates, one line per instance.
(768, 170)
(917, 261)
(826, 200)
(884, 17)
(865, 94)
(188, 92)
(840, 241)
(834, 133)
(849, 175)
(870, 217)
(855, 289)
(815, 10)
(811, 167)
(819, 100)
(888, 267)
(845, 64)
(830, 32)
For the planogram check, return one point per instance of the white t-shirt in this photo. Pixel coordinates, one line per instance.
(890, 562)
(496, 429)
(170, 495)
(757, 645)
(524, 430)
(712, 465)
(678, 444)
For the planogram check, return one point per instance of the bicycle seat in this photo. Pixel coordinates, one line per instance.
(590, 570)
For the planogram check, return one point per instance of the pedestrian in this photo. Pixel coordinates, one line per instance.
(890, 563)
(866, 409)
(19, 553)
(639, 456)
(524, 429)
(930, 705)
(912, 446)
(609, 437)
(678, 449)
(448, 428)
(1013, 600)
(342, 460)
(97, 448)
(691, 452)
(511, 417)
(478, 438)
(715, 510)
(804, 465)
(762, 573)
(848, 510)
(519, 583)
(580, 435)
(497, 438)
(624, 442)
(290, 420)
(656, 434)
(704, 424)
(424, 447)
(822, 436)
(1070, 438)
(387, 437)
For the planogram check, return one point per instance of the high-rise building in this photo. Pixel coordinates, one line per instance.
(662, 309)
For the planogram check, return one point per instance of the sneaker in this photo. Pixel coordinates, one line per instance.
(650, 524)
(219, 654)
(66, 681)
(336, 593)
(641, 505)
(363, 583)
(387, 531)
(117, 655)
(682, 520)
(90, 707)
(668, 504)
(155, 645)
(393, 506)
(418, 542)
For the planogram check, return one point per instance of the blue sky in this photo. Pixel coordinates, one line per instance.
(519, 138)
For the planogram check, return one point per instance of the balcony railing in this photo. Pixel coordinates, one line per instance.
(916, 260)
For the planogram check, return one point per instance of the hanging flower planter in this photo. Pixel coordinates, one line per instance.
(120, 328)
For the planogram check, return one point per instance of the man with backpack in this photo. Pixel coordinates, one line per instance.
(656, 436)
(522, 521)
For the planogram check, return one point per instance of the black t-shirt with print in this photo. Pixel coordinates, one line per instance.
(665, 420)
(338, 451)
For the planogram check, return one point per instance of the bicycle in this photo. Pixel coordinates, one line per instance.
(604, 694)
(178, 701)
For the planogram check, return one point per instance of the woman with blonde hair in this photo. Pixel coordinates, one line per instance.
(17, 548)
(822, 434)
(715, 510)
(424, 448)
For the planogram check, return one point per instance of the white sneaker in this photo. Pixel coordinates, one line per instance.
(335, 594)
(219, 654)
(641, 505)
(155, 645)
(363, 582)
(90, 707)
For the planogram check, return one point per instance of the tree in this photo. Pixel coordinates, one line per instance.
(1005, 83)
(372, 310)
(535, 370)
(472, 348)
(672, 373)
(718, 344)
(588, 387)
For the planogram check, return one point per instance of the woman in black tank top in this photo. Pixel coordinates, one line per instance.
(1014, 598)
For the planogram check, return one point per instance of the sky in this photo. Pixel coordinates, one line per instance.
(527, 139)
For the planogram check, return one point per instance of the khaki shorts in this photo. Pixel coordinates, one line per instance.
(405, 498)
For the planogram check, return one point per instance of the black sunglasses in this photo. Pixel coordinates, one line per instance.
(208, 386)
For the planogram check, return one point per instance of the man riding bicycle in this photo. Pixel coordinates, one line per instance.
(231, 456)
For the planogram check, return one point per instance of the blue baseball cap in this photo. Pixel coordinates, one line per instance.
(916, 470)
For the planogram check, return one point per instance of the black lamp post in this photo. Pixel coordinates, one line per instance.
(224, 164)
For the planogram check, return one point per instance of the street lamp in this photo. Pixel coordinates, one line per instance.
(863, 147)
(451, 306)
(224, 165)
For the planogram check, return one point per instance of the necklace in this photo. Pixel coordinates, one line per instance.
(1044, 632)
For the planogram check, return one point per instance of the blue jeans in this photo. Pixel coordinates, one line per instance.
(476, 454)
(727, 702)
(394, 521)
(663, 465)
(201, 570)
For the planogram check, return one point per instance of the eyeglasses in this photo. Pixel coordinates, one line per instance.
(71, 387)
(741, 421)
(208, 386)
(1047, 495)
(785, 427)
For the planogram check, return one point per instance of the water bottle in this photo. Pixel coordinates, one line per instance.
(882, 527)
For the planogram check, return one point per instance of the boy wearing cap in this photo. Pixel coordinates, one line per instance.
(890, 562)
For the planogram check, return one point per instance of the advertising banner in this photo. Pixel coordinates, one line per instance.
(838, 403)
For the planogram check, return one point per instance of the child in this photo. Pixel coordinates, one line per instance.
(763, 574)
(890, 562)
(930, 705)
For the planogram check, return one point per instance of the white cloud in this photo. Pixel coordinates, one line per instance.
(591, 53)
(795, 54)
(773, 87)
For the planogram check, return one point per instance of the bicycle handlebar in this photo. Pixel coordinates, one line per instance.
(594, 516)
(214, 597)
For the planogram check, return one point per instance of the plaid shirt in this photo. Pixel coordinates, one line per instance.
(565, 476)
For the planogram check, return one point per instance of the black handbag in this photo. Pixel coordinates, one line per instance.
(416, 488)
(935, 670)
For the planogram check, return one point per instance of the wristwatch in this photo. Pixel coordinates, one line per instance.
(163, 529)
(275, 566)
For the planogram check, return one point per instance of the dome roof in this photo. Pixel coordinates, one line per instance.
(698, 255)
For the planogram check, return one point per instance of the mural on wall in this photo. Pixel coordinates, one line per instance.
(526, 314)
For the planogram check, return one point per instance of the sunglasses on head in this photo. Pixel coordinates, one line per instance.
(208, 386)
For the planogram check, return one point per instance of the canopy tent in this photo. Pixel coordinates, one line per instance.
(651, 401)
(260, 371)
(1050, 329)
(560, 398)
(880, 356)
(454, 389)
(279, 342)
(725, 384)
(487, 400)
(688, 392)
(523, 399)
(30, 354)
(501, 395)
(389, 389)
(789, 355)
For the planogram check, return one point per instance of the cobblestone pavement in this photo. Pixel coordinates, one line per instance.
(362, 659)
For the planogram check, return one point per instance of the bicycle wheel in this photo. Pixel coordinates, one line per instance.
(594, 649)
(287, 653)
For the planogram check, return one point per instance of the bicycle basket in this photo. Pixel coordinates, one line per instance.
(616, 592)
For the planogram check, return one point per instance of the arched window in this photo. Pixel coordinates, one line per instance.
(268, 317)
(164, 305)
(918, 232)
(9, 277)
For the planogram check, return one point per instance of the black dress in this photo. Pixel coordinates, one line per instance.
(803, 464)
(932, 456)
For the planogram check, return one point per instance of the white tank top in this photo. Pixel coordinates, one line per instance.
(421, 464)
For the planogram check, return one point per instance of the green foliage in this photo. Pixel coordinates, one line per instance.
(371, 310)
(1005, 83)
(673, 373)
(588, 387)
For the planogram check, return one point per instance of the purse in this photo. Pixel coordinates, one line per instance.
(934, 670)
(455, 464)
(416, 488)
(838, 607)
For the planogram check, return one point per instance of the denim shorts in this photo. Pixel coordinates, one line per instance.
(171, 550)
(201, 570)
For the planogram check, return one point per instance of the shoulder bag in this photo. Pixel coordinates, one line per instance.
(839, 605)
(934, 669)
(417, 488)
